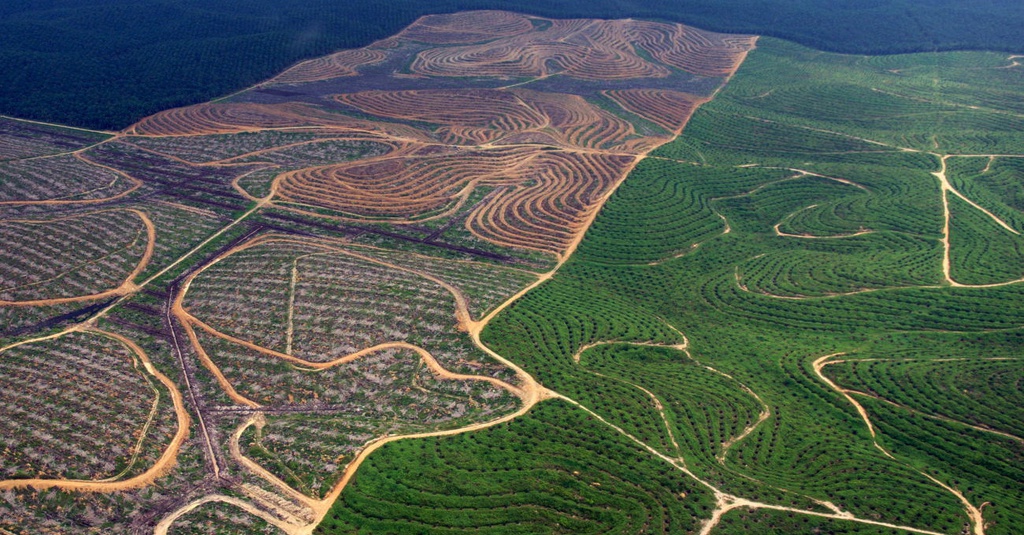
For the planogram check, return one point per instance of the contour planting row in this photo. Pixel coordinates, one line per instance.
(656, 214)
(552, 191)
(24, 139)
(981, 250)
(803, 446)
(762, 209)
(668, 109)
(903, 107)
(587, 49)
(215, 147)
(69, 257)
(895, 197)
(548, 328)
(704, 410)
(926, 308)
(584, 49)
(831, 267)
(549, 211)
(219, 119)
(975, 391)
(484, 286)
(310, 451)
(73, 408)
(631, 385)
(843, 218)
(986, 468)
(843, 201)
(549, 325)
(217, 517)
(480, 116)
(323, 152)
(235, 117)
(992, 182)
(322, 304)
(206, 187)
(179, 228)
(817, 445)
(339, 64)
(65, 178)
(999, 180)
(391, 384)
(742, 521)
(402, 185)
(873, 113)
(467, 27)
(691, 49)
(984, 79)
(554, 469)
(738, 138)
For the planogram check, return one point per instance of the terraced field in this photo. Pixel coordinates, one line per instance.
(550, 157)
(299, 274)
(408, 288)
(808, 307)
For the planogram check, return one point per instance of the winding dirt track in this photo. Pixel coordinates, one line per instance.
(925, 414)
(974, 513)
(726, 502)
(779, 232)
(947, 188)
(127, 287)
(528, 390)
(136, 184)
(162, 466)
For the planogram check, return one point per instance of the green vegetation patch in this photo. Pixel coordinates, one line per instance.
(554, 470)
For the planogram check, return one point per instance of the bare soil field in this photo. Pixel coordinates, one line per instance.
(555, 156)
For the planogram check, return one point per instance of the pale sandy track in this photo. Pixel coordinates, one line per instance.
(726, 502)
(126, 287)
(187, 320)
(778, 231)
(136, 184)
(531, 391)
(163, 464)
(144, 432)
(657, 407)
(974, 513)
(946, 189)
(684, 347)
(921, 413)
(528, 390)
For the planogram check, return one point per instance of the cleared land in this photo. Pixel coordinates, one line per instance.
(544, 132)
(299, 274)
(407, 287)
